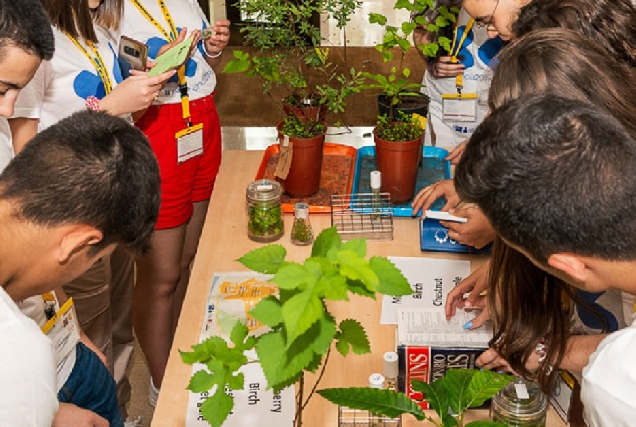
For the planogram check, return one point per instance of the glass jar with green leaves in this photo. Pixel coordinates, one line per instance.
(264, 213)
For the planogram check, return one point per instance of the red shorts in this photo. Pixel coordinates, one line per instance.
(183, 184)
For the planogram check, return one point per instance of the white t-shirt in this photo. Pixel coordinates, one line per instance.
(60, 86)
(6, 145)
(27, 369)
(476, 53)
(609, 381)
(185, 14)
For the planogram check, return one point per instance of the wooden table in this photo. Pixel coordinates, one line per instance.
(225, 239)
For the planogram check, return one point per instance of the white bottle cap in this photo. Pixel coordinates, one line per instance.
(390, 366)
(376, 180)
(376, 381)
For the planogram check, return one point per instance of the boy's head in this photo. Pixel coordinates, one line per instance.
(83, 185)
(26, 38)
(557, 180)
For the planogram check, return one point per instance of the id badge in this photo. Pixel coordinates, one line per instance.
(459, 108)
(189, 142)
(63, 331)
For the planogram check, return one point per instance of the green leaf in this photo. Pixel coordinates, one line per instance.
(291, 276)
(356, 267)
(377, 18)
(268, 312)
(457, 382)
(202, 381)
(392, 281)
(384, 402)
(238, 334)
(353, 334)
(266, 259)
(236, 381)
(484, 385)
(434, 393)
(359, 246)
(357, 287)
(216, 408)
(327, 239)
(326, 331)
(332, 288)
(299, 313)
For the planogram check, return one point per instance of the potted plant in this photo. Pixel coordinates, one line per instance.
(402, 108)
(302, 330)
(286, 55)
(456, 391)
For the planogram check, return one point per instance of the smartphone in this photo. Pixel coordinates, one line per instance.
(133, 55)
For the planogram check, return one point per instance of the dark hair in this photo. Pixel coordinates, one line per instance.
(76, 19)
(23, 23)
(554, 175)
(611, 23)
(90, 168)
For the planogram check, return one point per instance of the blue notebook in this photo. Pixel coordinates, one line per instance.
(434, 237)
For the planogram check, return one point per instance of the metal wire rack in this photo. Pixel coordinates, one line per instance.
(368, 215)
(357, 418)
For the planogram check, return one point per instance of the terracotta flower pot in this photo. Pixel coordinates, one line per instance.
(304, 173)
(398, 163)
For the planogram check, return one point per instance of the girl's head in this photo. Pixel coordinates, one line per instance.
(611, 23)
(566, 63)
(76, 17)
(497, 15)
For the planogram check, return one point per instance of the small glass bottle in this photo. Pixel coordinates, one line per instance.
(390, 369)
(520, 404)
(264, 213)
(301, 233)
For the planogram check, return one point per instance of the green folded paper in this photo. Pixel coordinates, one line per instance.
(171, 58)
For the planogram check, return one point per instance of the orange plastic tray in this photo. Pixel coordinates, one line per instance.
(338, 167)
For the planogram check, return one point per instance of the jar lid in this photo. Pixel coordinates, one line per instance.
(375, 180)
(376, 380)
(301, 210)
(521, 397)
(264, 190)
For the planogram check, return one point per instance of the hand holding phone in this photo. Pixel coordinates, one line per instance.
(133, 55)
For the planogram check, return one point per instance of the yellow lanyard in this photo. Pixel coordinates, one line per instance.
(459, 80)
(97, 62)
(183, 84)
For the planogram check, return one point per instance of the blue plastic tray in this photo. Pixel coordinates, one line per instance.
(433, 168)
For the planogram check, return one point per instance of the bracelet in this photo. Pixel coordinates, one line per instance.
(92, 103)
(216, 55)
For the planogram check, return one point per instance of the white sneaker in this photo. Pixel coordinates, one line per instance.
(133, 423)
(153, 394)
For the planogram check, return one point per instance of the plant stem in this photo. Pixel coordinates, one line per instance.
(322, 372)
(298, 419)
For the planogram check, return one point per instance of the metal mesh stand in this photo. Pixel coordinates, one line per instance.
(368, 215)
(358, 418)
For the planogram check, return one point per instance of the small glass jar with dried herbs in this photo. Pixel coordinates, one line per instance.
(301, 233)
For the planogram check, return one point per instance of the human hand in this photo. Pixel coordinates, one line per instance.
(69, 415)
(444, 67)
(180, 38)
(427, 196)
(455, 155)
(134, 93)
(492, 360)
(474, 284)
(216, 43)
(476, 231)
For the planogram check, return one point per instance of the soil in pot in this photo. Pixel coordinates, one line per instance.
(409, 104)
(398, 163)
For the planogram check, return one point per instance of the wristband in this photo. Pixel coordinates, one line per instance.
(216, 55)
(92, 103)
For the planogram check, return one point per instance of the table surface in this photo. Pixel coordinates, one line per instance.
(224, 240)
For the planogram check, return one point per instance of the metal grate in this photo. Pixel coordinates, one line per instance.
(357, 418)
(368, 215)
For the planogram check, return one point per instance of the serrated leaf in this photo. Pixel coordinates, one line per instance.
(236, 381)
(291, 276)
(201, 352)
(268, 312)
(355, 267)
(266, 259)
(299, 313)
(326, 326)
(327, 239)
(384, 402)
(457, 382)
(216, 408)
(357, 287)
(238, 334)
(202, 381)
(484, 385)
(392, 281)
(353, 334)
(359, 246)
(332, 288)
(282, 367)
(434, 393)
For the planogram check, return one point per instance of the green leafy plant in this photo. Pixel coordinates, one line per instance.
(302, 330)
(396, 86)
(300, 127)
(264, 219)
(403, 127)
(288, 55)
(457, 391)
